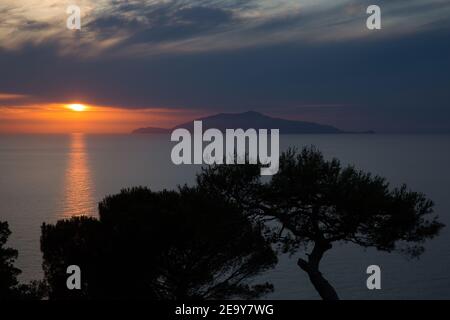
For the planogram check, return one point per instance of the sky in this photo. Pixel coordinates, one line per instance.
(162, 62)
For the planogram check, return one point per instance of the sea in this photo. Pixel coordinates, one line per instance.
(44, 178)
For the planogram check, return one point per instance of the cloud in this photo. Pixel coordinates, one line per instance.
(232, 55)
(172, 26)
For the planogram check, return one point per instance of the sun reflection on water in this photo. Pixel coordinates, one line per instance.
(79, 189)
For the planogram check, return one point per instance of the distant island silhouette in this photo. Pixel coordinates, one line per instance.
(247, 120)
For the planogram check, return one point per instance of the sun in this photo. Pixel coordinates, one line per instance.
(77, 107)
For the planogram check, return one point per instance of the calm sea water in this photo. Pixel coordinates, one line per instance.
(46, 178)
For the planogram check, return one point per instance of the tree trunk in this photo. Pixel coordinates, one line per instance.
(311, 267)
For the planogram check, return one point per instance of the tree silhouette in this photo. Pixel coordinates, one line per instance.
(8, 273)
(158, 245)
(317, 203)
(9, 285)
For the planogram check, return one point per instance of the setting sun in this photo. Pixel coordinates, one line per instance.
(61, 118)
(77, 107)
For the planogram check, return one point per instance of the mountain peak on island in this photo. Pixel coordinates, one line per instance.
(247, 120)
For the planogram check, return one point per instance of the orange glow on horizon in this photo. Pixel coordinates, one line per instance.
(87, 118)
